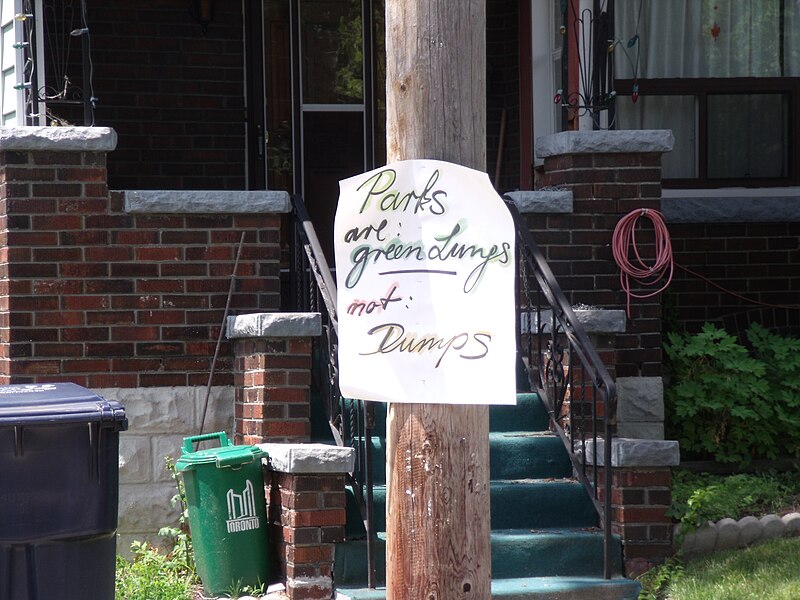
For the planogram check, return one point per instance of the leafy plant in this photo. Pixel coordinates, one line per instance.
(656, 581)
(237, 590)
(153, 574)
(700, 497)
(726, 403)
(179, 536)
(156, 574)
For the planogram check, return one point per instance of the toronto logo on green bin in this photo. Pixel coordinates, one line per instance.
(242, 510)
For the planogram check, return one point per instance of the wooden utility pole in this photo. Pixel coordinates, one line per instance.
(437, 521)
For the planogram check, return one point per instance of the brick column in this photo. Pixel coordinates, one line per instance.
(609, 173)
(49, 179)
(306, 512)
(641, 496)
(272, 374)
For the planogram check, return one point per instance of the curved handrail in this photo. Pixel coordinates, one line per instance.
(559, 351)
(351, 422)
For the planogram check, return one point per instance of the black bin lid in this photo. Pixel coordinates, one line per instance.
(57, 403)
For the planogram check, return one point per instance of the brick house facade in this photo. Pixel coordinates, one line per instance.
(109, 283)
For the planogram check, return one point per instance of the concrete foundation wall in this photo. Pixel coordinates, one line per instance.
(158, 420)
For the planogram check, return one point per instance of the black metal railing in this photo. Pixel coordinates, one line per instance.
(566, 371)
(562, 365)
(351, 421)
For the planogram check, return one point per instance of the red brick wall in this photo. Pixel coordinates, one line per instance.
(307, 515)
(174, 96)
(272, 398)
(640, 500)
(93, 295)
(577, 246)
(760, 261)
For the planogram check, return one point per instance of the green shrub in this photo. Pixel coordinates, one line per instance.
(727, 403)
(700, 497)
(154, 574)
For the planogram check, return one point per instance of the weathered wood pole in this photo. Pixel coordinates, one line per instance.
(437, 521)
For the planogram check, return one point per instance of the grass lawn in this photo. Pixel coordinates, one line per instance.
(768, 571)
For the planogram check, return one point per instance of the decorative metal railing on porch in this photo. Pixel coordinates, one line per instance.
(565, 369)
(562, 364)
(351, 421)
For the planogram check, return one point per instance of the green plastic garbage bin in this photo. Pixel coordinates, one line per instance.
(227, 512)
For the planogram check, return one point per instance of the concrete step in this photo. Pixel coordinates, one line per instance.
(512, 455)
(522, 454)
(534, 588)
(515, 504)
(528, 414)
(515, 553)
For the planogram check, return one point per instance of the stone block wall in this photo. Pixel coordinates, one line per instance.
(158, 420)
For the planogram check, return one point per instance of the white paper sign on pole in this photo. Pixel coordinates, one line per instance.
(425, 280)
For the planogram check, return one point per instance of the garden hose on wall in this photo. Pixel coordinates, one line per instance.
(624, 244)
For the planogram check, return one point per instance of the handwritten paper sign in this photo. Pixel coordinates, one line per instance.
(425, 277)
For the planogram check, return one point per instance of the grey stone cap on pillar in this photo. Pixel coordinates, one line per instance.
(542, 201)
(630, 453)
(206, 201)
(605, 142)
(274, 325)
(308, 458)
(58, 139)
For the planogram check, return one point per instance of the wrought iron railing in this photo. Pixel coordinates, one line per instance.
(562, 364)
(351, 421)
(566, 371)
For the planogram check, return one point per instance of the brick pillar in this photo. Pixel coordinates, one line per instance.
(306, 512)
(50, 177)
(272, 374)
(610, 173)
(641, 495)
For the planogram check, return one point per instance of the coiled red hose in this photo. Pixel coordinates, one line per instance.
(631, 264)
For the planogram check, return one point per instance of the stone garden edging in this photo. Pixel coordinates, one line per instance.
(727, 534)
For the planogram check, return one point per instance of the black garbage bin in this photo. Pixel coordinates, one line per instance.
(59, 489)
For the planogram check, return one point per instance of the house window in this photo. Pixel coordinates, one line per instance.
(724, 75)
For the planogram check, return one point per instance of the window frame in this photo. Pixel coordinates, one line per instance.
(701, 88)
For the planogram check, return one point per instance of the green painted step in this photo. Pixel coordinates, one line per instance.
(529, 503)
(528, 414)
(512, 455)
(551, 552)
(536, 588)
(515, 553)
(523, 454)
(540, 503)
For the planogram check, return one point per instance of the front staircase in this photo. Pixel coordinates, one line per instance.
(545, 539)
